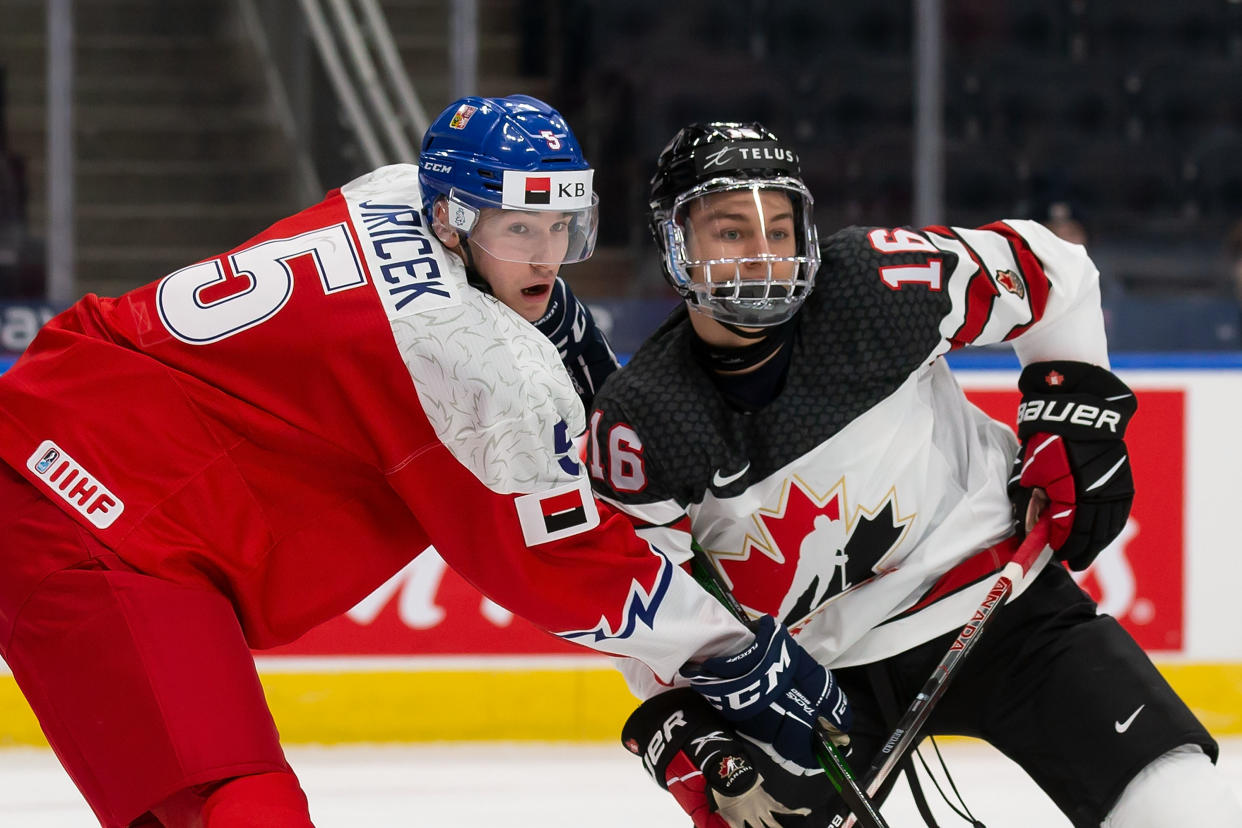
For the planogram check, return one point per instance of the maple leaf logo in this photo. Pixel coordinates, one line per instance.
(809, 550)
(1011, 282)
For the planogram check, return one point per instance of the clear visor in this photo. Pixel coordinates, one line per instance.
(546, 237)
(744, 252)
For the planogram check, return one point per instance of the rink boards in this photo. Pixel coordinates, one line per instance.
(427, 658)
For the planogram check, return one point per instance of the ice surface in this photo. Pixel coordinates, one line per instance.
(486, 785)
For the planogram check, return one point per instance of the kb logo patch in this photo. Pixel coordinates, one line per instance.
(557, 513)
(552, 190)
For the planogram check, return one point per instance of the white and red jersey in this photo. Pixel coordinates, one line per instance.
(294, 420)
(839, 505)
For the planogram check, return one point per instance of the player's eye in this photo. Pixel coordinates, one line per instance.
(560, 227)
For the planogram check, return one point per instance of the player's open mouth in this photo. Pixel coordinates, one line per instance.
(536, 290)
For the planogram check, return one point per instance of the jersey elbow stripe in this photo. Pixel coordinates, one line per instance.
(981, 296)
(1038, 286)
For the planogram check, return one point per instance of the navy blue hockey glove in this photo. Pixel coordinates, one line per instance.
(716, 777)
(774, 693)
(584, 350)
(1072, 422)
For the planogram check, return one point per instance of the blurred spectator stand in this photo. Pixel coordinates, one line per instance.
(21, 261)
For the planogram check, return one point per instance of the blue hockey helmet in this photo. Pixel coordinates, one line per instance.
(512, 154)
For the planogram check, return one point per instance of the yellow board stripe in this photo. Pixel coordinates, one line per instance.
(520, 705)
(1213, 691)
(558, 705)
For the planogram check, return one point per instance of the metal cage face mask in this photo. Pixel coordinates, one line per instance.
(744, 252)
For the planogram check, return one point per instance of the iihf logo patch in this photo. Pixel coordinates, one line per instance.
(557, 513)
(74, 485)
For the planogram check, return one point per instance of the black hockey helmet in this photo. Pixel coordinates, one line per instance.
(751, 263)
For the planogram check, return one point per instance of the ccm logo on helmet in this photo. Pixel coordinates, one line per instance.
(1081, 414)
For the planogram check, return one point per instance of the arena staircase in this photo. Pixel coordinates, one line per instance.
(180, 152)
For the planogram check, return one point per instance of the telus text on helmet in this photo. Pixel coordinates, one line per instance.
(722, 156)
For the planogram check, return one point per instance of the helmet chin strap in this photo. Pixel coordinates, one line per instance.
(765, 342)
(473, 277)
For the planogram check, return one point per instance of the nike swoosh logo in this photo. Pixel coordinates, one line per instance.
(720, 480)
(1122, 727)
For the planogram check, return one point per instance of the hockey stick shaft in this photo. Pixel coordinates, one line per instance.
(835, 767)
(908, 727)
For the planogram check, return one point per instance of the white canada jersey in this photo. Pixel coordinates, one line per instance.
(838, 506)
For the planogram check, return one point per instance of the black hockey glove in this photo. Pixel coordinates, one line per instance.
(693, 753)
(1072, 422)
(775, 694)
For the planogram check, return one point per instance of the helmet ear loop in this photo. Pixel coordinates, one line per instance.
(439, 224)
(445, 234)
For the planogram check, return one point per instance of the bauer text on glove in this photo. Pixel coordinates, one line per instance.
(1071, 422)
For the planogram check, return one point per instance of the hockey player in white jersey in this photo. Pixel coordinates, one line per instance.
(796, 419)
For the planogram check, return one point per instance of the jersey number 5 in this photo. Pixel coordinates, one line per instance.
(207, 302)
(902, 240)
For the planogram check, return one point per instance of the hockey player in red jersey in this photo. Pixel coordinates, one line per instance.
(796, 420)
(226, 457)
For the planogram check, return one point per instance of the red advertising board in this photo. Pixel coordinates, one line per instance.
(428, 610)
(1139, 579)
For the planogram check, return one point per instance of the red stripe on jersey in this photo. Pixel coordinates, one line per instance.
(974, 568)
(980, 296)
(1032, 272)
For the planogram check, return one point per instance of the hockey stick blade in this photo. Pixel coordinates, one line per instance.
(909, 726)
(864, 812)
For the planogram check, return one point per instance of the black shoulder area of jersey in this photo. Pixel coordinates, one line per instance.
(884, 328)
(661, 376)
(664, 395)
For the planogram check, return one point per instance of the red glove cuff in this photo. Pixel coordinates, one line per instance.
(1045, 465)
